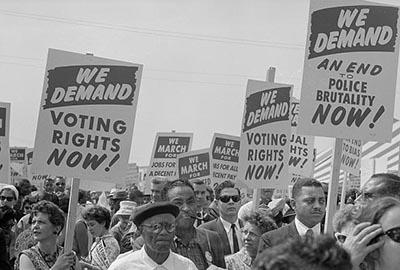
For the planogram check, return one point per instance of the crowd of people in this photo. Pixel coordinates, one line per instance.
(187, 225)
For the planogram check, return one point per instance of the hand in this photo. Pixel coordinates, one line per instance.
(357, 243)
(65, 261)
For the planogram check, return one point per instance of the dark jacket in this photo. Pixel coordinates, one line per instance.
(278, 236)
(217, 226)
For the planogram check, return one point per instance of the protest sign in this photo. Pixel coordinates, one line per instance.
(350, 160)
(86, 116)
(35, 179)
(166, 148)
(224, 153)
(194, 165)
(18, 163)
(350, 70)
(132, 174)
(301, 146)
(265, 135)
(4, 142)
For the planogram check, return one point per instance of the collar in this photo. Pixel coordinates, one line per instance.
(227, 225)
(168, 264)
(302, 229)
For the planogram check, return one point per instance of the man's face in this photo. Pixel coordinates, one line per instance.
(156, 192)
(158, 240)
(266, 195)
(226, 203)
(200, 192)
(48, 185)
(310, 205)
(184, 198)
(60, 185)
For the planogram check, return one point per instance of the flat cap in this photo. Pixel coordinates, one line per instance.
(152, 209)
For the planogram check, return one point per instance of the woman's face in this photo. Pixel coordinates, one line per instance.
(7, 197)
(96, 229)
(42, 227)
(389, 253)
(27, 208)
(251, 237)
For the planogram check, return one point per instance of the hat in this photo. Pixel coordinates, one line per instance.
(119, 195)
(126, 208)
(152, 209)
(13, 188)
(112, 192)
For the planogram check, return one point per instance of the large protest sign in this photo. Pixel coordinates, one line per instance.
(194, 165)
(350, 70)
(132, 174)
(350, 160)
(4, 142)
(301, 146)
(224, 153)
(265, 137)
(167, 146)
(86, 116)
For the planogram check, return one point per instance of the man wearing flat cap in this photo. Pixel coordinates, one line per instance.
(156, 223)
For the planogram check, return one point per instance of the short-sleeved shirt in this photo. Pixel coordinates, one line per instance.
(139, 260)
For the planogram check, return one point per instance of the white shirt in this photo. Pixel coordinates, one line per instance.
(227, 226)
(139, 260)
(302, 229)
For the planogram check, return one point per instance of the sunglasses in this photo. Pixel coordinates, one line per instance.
(3, 198)
(394, 234)
(226, 198)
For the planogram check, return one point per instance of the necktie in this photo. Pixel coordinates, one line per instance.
(234, 239)
(310, 233)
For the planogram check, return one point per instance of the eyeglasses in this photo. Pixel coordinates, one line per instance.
(3, 198)
(341, 238)
(251, 234)
(394, 234)
(157, 227)
(226, 198)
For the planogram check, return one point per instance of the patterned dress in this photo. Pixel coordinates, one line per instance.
(238, 261)
(103, 251)
(38, 261)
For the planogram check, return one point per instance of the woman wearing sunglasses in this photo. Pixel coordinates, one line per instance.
(383, 213)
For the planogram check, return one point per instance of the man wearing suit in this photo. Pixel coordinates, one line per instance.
(201, 246)
(227, 225)
(309, 204)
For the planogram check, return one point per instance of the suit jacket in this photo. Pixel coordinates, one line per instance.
(217, 226)
(211, 242)
(278, 236)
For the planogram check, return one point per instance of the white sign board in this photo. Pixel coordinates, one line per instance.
(350, 160)
(350, 70)
(86, 116)
(265, 135)
(195, 165)
(167, 146)
(224, 154)
(4, 142)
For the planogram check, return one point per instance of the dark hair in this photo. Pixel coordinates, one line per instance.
(390, 185)
(63, 203)
(97, 213)
(321, 252)
(373, 212)
(56, 215)
(211, 191)
(261, 220)
(6, 214)
(223, 185)
(197, 181)
(172, 184)
(304, 182)
(28, 200)
(344, 216)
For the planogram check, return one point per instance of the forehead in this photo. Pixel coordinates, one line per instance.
(180, 192)
(41, 216)
(250, 227)
(308, 192)
(199, 187)
(160, 218)
(229, 191)
(391, 218)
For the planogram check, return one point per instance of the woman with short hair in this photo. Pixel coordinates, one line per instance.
(105, 248)
(47, 223)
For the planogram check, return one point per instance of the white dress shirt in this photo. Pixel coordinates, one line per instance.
(139, 260)
(302, 229)
(227, 226)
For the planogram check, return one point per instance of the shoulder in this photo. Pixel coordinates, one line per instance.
(183, 260)
(130, 257)
(211, 225)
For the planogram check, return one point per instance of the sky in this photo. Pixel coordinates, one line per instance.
(197, 57)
